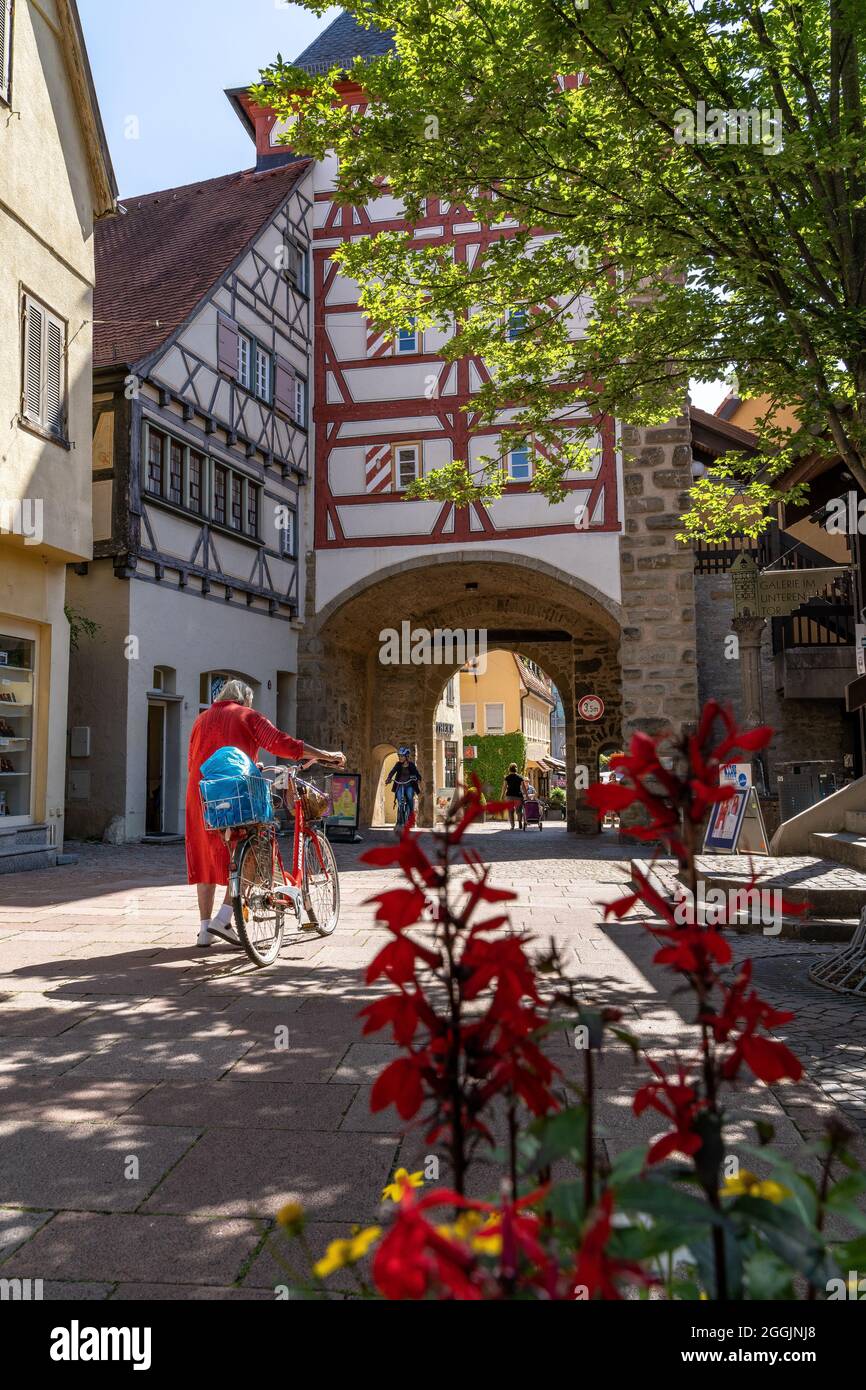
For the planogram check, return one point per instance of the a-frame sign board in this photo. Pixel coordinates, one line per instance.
(737, 826)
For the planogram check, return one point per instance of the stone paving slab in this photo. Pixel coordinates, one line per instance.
(81, 1166)
(245, 1105)
(58, 1100)
(137, 1248)
(16, 1227)
(336, 1176)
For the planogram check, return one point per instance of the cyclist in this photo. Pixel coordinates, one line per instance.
(407, 784)
(514, 791)
(231, 720)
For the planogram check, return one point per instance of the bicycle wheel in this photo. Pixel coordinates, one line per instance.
(321, 883)
(259, 920)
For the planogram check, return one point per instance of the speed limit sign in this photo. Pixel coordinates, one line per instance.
(590, 708)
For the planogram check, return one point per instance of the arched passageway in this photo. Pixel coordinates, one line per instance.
(368, 683)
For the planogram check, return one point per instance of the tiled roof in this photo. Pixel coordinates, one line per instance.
(342, 42)
(159, 257)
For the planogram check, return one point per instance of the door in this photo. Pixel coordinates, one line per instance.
(155, 804)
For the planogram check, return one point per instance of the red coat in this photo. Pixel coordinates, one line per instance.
(224, 724)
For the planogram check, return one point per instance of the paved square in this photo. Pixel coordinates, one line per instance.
(158, 1104)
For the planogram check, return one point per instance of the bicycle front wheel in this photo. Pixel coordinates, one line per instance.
(321, 883)
(259, 919)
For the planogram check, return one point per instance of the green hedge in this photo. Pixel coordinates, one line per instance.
(495, 752)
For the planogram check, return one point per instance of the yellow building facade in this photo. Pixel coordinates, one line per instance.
(506, 694)
(55, 179)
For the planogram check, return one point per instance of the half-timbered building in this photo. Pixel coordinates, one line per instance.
(201, 415)
(593, 589)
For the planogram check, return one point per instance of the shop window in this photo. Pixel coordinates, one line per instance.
(17, 726)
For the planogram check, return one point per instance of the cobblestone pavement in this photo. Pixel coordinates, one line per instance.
(153, 1119)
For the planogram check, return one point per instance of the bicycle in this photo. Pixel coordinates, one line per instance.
(260, 889)
(404, 810)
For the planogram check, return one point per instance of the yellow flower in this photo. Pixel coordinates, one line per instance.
(291, 1218)
(746, 1184)
(402, 1179)
(487, 1245)
(341, 1253)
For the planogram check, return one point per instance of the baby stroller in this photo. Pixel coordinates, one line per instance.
(532, 813)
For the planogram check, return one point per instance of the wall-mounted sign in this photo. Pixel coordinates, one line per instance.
(590, 707)
(775, 593)
(735, 775)
(470, 750)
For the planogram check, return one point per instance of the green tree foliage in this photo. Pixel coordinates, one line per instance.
(696, 241)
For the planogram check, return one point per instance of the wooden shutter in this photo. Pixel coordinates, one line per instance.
(5, 48)
(227, 345)
(55, 352)
(284, 388)
(31, 392)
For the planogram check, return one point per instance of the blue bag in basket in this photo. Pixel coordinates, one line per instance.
(233, 791)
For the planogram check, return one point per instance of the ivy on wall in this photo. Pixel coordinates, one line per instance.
(495, 752)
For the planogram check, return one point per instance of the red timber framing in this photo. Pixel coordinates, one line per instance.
(439, 418)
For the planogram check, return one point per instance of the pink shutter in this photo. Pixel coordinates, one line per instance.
(227, 345)
(284, 388)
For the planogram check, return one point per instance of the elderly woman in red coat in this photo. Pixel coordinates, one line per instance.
(230, 721)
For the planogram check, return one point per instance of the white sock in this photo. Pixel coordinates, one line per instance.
(224, 916)
(205, 923)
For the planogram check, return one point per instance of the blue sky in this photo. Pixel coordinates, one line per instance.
(167, 63)
(161, 68)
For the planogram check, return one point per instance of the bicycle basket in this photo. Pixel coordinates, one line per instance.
(228, 802)
(316, 803)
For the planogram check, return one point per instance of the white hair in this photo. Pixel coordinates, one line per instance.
(238, 692)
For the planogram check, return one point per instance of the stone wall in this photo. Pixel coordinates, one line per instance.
(806, 729)
(657, 653)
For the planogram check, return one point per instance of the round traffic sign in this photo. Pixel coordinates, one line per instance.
(590, 707)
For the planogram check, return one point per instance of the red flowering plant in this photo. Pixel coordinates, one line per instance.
(471, 1008)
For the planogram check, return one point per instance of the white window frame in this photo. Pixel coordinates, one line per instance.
(469, 723)
(523, 449)
(496, 704)
(6, 29)
(289, 536)
(301, 401)
(514, 330)
(408, 339)
(245, 361)
(415, 447)
(35, 382)
(297, 270)
(263, 377)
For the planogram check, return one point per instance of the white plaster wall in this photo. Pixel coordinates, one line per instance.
(194, 635)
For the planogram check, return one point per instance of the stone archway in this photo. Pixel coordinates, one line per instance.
(349, 696)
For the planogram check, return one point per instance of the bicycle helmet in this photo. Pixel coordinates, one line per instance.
(405, 752)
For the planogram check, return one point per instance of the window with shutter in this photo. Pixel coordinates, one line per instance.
(43, 386)
(407, 464)
(300, 402)
(284, 387)
(34, 328)
(6, 50)
(263, 374)
(227, 345)
(245, 350)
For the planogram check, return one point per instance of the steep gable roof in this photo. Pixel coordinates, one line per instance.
(159, 258)
(341, 43)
